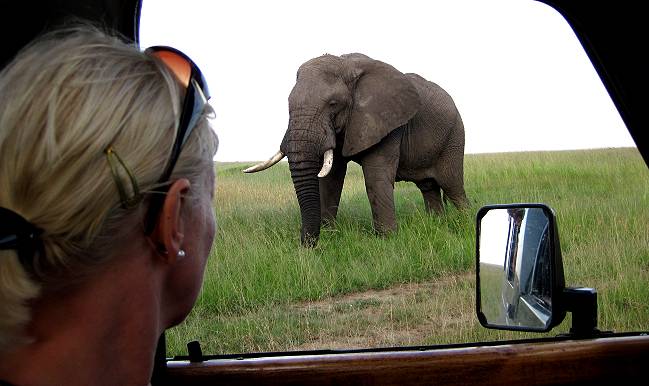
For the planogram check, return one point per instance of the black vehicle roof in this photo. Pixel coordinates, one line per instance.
(24, 20)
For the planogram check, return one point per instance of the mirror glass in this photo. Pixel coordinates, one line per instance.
(515, 268)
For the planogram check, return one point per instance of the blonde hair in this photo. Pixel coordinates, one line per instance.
(64, 100)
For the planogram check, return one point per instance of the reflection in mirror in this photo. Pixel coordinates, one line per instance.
(515, 268)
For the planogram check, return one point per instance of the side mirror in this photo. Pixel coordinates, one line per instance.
(519, 272)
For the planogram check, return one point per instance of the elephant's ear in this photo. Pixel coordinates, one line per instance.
(384, 99)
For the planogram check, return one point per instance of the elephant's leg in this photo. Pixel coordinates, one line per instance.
(432, 193)
(455, 192)
(379, 170)
(450, 169)
(331, 187)
(379, 184)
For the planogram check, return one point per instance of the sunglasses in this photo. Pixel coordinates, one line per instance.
(196, 96)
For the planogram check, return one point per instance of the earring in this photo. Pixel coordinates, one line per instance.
(181, 253)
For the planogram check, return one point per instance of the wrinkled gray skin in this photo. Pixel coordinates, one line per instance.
(398, 127)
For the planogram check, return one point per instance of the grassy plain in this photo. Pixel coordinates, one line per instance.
(263, 292)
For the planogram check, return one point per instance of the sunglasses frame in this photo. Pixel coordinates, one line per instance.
(196, 96)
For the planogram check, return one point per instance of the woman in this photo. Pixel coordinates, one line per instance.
(106, 217)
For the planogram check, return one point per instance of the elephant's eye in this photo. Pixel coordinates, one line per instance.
(333, 103)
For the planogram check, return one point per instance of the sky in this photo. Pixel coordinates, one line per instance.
(515, 69)
(494, 229)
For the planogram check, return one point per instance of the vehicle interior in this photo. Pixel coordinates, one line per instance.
(532, 295)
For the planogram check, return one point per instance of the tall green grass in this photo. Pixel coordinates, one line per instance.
(263, 292)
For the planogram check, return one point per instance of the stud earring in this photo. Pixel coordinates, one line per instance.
(181, 253)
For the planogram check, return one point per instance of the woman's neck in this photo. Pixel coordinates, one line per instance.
(104, 332)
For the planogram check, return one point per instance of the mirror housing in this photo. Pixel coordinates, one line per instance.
(519, 270)
(519, 273)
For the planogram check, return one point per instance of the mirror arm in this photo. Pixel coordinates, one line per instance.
(160, 362)
(195, 352)
(582, 303)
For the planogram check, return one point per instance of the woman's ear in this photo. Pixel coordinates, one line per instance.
(384, 99)
(169, 233)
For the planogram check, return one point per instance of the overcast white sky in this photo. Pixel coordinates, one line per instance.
(494, 229)
(515, 69)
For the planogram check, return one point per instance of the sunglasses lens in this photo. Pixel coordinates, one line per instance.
(176, 63)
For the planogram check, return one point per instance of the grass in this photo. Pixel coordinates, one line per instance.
(263, 292)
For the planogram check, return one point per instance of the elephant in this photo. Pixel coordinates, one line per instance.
(398, 127)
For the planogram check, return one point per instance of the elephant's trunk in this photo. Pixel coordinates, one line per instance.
(304, 144)
(305, 181)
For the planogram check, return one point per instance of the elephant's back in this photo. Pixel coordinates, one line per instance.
(436, 101)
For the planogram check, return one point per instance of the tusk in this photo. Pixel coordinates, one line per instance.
(265, 165)
(326, 165)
